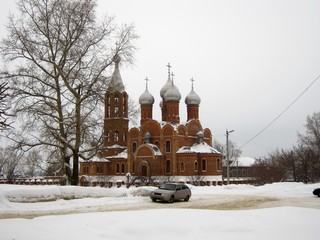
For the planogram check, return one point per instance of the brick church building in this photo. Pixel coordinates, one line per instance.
(166, 150)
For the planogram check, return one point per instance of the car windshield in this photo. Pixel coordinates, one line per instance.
(168, 186)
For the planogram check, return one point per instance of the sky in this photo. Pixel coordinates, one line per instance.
(250, 60)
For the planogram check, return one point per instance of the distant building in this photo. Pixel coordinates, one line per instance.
(157, 150)
(240, 169)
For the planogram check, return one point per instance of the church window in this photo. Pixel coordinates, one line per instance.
(108, 111)
(182, 167)
(122, 168)
(134, 147)
(168, 167)
(168, 146)
(116, 111)
(218, 164)
(124, 137)
(116, 101)
(108, 136)
(196, 166)
(116, 136)
(117, 168)
(204, 165)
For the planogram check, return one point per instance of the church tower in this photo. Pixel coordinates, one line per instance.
(192, 101)
(116, 122)
(170, 100)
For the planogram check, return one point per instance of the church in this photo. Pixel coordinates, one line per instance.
(156, 151)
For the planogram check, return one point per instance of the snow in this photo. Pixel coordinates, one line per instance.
(81, 213)
(198, 148)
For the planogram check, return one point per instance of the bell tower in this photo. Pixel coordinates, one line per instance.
(116, 122)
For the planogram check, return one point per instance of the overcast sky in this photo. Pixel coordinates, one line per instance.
(250, 60)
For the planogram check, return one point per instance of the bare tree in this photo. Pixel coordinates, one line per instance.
(309, 145)
(4, 106)
(58, 56)
(10, 159)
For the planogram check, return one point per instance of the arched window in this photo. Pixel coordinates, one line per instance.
(168, 146)
(124, 137)
(107, 136)
(196, 166)
(134, 147)
(108, 111)
(168, 167)
(117, 168)
(116, 136)
(122, 168)
(204, 165)
(182, 167)
(116, 101)
(218, 165)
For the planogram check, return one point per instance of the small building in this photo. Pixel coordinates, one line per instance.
(240, 170)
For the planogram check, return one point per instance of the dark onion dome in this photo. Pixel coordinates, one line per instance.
(192, 98)
(172, 94)
(146, 98)
(116, 84)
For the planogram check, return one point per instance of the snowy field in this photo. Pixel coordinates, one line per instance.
(273, 211)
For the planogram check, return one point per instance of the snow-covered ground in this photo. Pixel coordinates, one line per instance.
(273, 211)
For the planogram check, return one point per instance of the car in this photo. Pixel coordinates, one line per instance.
(316, 192)
(171, 192)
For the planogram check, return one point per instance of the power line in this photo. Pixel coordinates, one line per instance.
(286, 109)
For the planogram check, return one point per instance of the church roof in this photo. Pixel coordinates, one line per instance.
(192, 98)
(172, 94)
(146, 98)
(123, 154)
(116, 84)
(202, 147)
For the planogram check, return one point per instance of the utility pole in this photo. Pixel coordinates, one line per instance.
(228, 162)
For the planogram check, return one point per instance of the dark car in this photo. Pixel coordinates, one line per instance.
(171, 192)
(317, 192)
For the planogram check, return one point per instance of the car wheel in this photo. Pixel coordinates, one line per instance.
(187, 198)
(153, 199)
(171, 199)
(318, 194)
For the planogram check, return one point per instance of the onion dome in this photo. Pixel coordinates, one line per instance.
(116, 84)
(165, 87)
(192, 98)
(146, 98)
(172, 94)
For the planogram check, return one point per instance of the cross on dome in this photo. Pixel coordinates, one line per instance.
(147, 80)
(192, 80)
(172, 75)
(169, 66)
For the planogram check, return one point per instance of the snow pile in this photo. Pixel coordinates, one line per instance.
(29, 194)
(166, 223)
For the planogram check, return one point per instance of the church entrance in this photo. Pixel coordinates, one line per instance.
(144, 171)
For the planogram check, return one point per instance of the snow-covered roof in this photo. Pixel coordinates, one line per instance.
(123, 154)
(155, 149)
(116, 146)
(198, 148)
(95, 159)
(243, 162)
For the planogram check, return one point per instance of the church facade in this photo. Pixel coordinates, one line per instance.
(156, 151)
